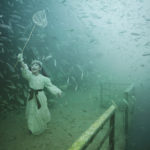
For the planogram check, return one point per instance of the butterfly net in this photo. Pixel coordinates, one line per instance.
(39, 18)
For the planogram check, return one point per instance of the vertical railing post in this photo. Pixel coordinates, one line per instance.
(112, 133)
(126, 126)
(88, 136)
(101, 94)
(126, 95)
(126, 114)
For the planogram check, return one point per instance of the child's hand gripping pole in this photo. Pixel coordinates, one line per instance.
(20, 57)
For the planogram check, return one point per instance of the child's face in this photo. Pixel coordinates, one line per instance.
(35, 68)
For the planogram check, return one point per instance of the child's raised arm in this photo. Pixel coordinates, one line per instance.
(25, 70)
(20, 59)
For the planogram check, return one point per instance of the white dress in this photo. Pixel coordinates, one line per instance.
(37, 118)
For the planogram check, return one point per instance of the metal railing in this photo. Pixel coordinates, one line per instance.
(87, 137)
(108, 92)
(129, 100)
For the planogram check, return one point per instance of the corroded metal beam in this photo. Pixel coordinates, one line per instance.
(86, 138)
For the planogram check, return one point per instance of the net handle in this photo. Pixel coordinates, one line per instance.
(26, 42)
(28, 38)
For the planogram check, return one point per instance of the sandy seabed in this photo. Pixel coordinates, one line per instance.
(71, 115)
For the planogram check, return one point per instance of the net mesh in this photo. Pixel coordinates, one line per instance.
(39, 18)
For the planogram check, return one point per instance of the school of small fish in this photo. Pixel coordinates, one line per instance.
(64, 46)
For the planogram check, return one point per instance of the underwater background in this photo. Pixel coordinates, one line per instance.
(92, 50)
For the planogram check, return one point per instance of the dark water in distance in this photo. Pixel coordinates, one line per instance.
(139, 132)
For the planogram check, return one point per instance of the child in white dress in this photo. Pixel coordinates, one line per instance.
(37, 112)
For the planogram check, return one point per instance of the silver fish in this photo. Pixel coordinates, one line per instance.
(146, 54)
(147, 44)
(82, 74)
(55, 63)
(48, 57)
(1, 44)
(11, 68)
(11, 86)
(15, 16)
(1, 75)
(20, 26)
(5, 26)
(19, 1)
(68, 80)
(2, 50)
(23, 39)
(76, 88)
(20, 100)
(135, 34)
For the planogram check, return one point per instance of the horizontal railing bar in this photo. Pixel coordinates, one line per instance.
(85, 139)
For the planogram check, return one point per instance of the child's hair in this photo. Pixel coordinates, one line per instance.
(40, 64)
(37, 62)
(44, 73)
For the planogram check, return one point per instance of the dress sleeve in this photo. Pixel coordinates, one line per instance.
(26, 73)
(52, 88)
